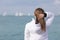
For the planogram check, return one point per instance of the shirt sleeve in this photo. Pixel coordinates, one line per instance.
(50, 17)
(26, 33)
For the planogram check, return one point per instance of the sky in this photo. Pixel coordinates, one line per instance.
(28, 6)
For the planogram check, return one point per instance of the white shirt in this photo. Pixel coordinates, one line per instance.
(33, 31)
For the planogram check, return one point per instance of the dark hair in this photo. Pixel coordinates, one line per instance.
(40, 9)
(41, 21)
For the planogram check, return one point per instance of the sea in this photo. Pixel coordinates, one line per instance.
(12, 27)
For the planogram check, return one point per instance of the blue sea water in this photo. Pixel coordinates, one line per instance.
(12, 27)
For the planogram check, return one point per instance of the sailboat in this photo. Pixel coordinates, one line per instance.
(20, 14)
(4, 14)
(17, 14)
(29, 14)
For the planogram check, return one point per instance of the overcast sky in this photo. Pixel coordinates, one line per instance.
(28, 6)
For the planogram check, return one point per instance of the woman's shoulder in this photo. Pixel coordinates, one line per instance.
(31, 22)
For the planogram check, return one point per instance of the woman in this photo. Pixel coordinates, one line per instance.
(37, 28)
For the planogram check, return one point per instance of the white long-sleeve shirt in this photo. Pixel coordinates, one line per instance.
(33, 31)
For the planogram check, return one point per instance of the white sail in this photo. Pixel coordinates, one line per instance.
(20, 14)
(4, 14)
(17, 14)
(29, 14)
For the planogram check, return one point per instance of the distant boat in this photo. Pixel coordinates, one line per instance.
(17, 14)
(4, 14)
(20, 14)
(29, 14)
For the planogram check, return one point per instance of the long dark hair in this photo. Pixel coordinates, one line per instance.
(41, 21)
